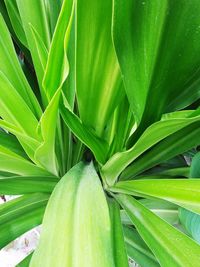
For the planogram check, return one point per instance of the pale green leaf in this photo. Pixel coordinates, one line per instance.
(78, 208)
(183, 192)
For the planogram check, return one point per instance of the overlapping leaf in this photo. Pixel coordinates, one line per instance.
(149, 36)
(170, 246)
(20, 215)
(153, 134)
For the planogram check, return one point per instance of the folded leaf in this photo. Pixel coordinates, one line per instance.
(175, 144)
(97, 145)
(45, 154)
(57, 65)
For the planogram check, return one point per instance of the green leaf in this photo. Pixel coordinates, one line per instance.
(183, 192)
(13, 163)
(98, 78)
(149, 36)
(83, 222)
(10, 66)
(119, 250)
(190, 220)
(57, 65)
(171, 247)
(15, 110)
(98, 146)
(53, 8)
(19, 185)
(28, 143)
(152, 135)
(163, 209)
(10, 142)
(137, 250)
(173, 145)
(25, 262)
(33, 15)
(15, 19)
(195, 166)
(45, 154)
(20, 215)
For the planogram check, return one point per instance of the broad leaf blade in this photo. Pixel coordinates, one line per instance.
(98, 78)
(83, 222)
(149, 37)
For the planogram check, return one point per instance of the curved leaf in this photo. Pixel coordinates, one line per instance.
(152, 135)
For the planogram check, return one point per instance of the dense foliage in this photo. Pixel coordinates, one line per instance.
(99, 120)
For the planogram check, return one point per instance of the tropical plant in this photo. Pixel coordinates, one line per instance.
(98, 102)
